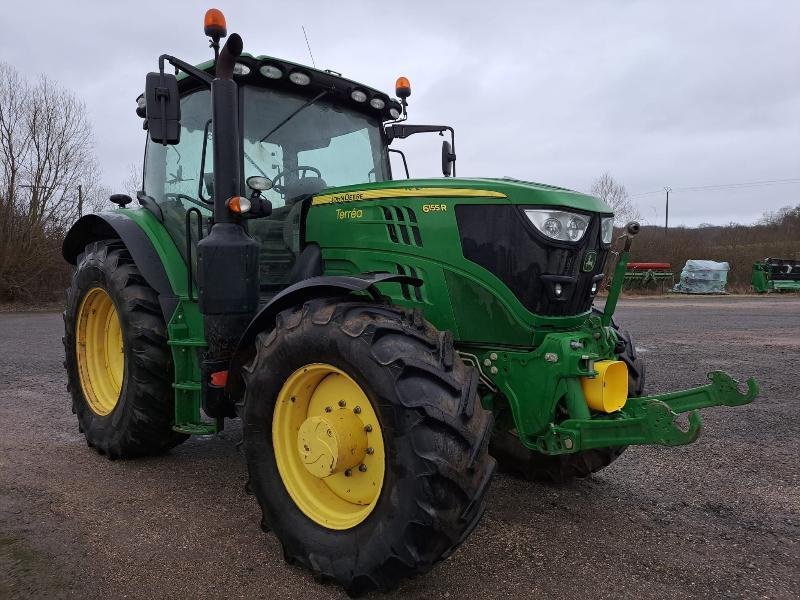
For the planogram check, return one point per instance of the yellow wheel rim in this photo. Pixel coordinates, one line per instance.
(100, 351)
(328, 446)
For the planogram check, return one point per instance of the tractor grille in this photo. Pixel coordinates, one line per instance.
(502, 240)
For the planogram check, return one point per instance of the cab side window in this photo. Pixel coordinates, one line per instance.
(173, 176)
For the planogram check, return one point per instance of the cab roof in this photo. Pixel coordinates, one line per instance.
(250, 70)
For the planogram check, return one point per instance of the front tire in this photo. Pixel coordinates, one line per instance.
(429, 464)
(119, 367)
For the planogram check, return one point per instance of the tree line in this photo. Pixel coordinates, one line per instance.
(48, 178)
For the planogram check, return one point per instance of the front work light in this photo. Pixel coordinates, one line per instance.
(358, 96)
(259, 183)
(558, 224)
(299, 78)
(271, 71)
(241, 69)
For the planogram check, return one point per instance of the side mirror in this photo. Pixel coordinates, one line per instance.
(448, 158)
(163, 108)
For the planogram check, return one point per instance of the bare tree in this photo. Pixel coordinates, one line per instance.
(133, 182)
(46, 153)
(616, 196)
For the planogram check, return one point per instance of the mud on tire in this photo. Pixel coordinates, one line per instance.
(141, 422)
(435, 434)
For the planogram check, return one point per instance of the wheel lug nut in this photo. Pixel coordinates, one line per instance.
(362, 467)
(342, 403)
(348, 472)
(370, 451)
(368, 428)
(328, 409)
(357, 410)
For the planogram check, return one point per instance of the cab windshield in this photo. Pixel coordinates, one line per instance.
(305, 145)
(302, 144)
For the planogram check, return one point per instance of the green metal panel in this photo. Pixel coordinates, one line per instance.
(530, 362)
(410, 227)
(760, 278)
(185, 328)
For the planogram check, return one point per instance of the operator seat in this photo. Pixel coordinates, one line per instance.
(302, 188)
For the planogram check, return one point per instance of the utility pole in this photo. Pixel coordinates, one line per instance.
(666, 212)
(80, 201)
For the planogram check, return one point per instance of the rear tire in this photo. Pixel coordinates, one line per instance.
(435, 437)
(139, 421)
(513, 457)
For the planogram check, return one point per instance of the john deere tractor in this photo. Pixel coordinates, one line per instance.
(383, 340)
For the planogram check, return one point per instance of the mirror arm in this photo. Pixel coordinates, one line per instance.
(185, 67)
(453, 148)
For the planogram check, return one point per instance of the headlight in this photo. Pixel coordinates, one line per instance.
(607, 229)
(558, 224)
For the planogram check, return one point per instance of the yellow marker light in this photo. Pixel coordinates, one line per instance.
(608, 391)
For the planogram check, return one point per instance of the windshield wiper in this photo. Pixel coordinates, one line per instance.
(292, 116)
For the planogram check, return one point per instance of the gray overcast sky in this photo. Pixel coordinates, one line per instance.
(656, 93)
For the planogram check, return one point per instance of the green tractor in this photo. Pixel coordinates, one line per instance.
(385, 342)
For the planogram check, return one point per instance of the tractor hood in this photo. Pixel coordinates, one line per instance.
(502, 191)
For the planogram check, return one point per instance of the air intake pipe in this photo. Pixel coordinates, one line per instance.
(227, 258)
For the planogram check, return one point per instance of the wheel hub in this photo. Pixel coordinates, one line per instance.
(328, 446)
(100, 351)
(333, 443)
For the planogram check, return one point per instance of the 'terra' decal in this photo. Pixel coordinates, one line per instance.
(589, 260)
(349, 214)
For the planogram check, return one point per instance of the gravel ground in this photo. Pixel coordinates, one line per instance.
(719, 518)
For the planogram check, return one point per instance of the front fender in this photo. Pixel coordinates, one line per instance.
(297, 294)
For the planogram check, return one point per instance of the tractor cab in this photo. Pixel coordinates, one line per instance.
(302, 130)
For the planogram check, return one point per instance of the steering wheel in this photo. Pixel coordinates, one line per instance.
(301, 170)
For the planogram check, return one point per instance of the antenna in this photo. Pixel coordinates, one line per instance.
(309, 47)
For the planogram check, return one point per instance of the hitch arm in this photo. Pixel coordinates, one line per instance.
(722, 391)
(648, 420)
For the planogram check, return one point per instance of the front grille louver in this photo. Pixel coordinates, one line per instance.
(402, 225)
